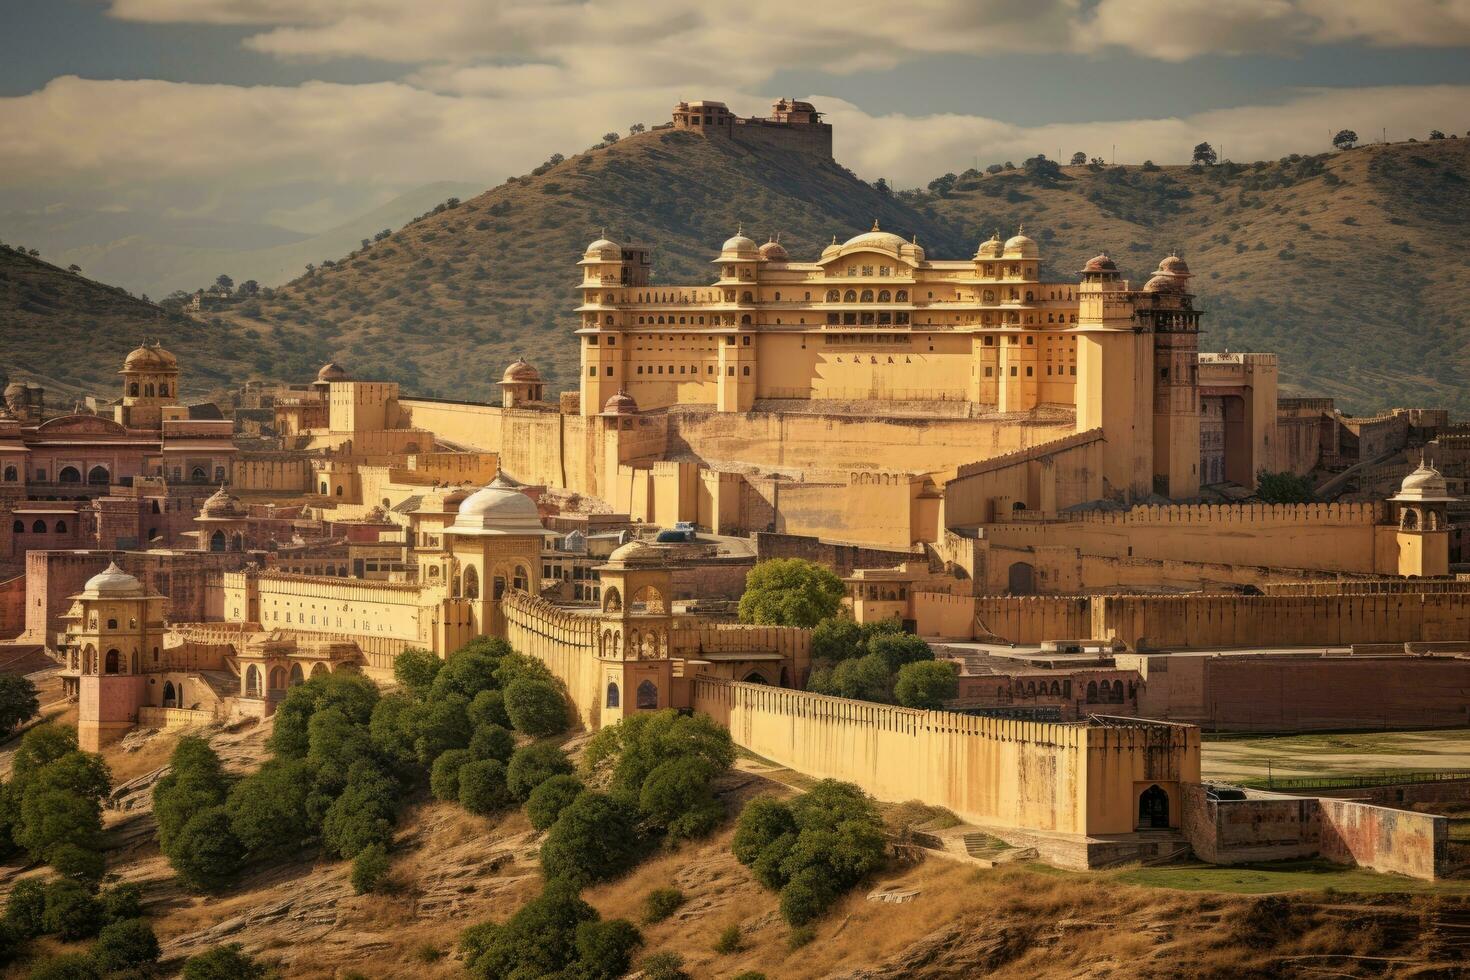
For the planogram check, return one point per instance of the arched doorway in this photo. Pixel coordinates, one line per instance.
(647, 696)
(97, 476)
(170, 697)
(1021, 579)
(1153, 808)
(113, 663)
(217, 541)
(252, 681)
(318, 669)
(69, 474)
(471, 583)
(296, 676)
(754, 677)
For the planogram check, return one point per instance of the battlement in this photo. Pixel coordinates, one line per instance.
(1234, 514)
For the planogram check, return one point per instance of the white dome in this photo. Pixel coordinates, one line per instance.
(1018, 246)
(739, 243)
(498, 509)
(605, 249)
(1425, 485)
(114, 581)
(885, 240)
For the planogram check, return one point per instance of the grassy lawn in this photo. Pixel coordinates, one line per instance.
(1324, 756)
(1268, 878)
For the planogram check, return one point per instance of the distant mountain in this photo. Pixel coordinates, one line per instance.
(1352, 266)
(156, 254)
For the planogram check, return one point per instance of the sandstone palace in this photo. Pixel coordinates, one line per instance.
(1042, 475)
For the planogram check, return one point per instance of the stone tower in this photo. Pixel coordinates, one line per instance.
(1167, 308)
(637, 620)
(150, 383)
(1421, 508)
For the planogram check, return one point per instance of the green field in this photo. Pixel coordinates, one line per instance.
(1267, 878)
(1333, 758)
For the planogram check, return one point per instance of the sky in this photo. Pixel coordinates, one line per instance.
(303, 113)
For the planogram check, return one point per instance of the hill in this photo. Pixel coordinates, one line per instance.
(1349, 265)
(70, 334)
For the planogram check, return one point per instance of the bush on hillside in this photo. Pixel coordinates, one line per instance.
(812, 848)
(665, 763)
(444, 776)
(363, 815)
(661, 903)
(536, 706)
(67, 966)
(548, 800)
(125, 945)
(228, 962)
(270, 810)
(72, 912)
(595, 839)
(488, 708)
(532, 765)
(491, 741)
(482, 787)
(415, 669)
(205, 852)
(25, 908)
(369, 868)
(554, 934)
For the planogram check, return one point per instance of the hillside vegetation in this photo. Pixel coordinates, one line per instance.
(1348, 265)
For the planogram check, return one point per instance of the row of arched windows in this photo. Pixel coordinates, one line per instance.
(867, 296)
(647, 696)
(147, 390)
(38, 526)
(97, 475)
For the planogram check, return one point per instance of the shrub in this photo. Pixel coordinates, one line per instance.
(269, 809)
(789, 592)
(898, 649)
(441, 724)
(482, 787)
(336, 743)
(67, 966)
(548, 800)
(488, 708)
(195, 781)
(39, 746)
(515, 666)
(813, 848)
(836, 638)
(677, 797)
(538, 940)
(470, 669)
(72, 911)
(664, 763)
(369, 868)
(491, 741)
(532, 765)
(800, 936)
(536, 707)
(444, 776)
(730, 941)
(605, 949)
(415, 669)
(594, 839)
(122, 901)
(125, 945)
(392, 728)
(926, 684)
(18, 701)
(663, 966)
(865, 679)
(25, 909)
(661, 903)
(227, 962)
(363, 814)
(205, 852)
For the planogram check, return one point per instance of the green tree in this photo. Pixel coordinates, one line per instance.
(1284, 488)
(72, 911)
(660, 904)
(898, 649)
(369, 868)
(443, 724)
(536, 707)
(1079, 158)
(392, 728)
(546, 802)
(926, 684)
(67, 966)
(605, 949)
(205, 852)
(470, 669)
(865, 679)
(195, 781)
(268, 809)
(1345, 139)
(123, 901)
(539, 940)
(39, 746)
(415, 669)
(837, 638)
(444, 774)
(789, 592)
(491, 741)
(25, 908)
(1205, 154)
(532, 765)
(488, 708)
(18, 701)
(482, 787)
(227, 962)
(594, 839)
(125, 945)
(363, 815)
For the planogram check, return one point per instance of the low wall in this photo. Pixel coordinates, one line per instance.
(1401, 841)
(171, 718)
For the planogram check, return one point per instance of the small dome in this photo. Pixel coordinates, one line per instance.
(635, 551)
(519, 372)
(1425, 485)
(604, 249)
(1162, 283)
(1100, 263)
(1173, 265)
(990, 249)
(114, 581)
(221, 504)
(738, 243)
(150, 357)
(332, 371)
(497, 509)
(17, 389)
(620, 404)
(1018, 246)
(774, 251)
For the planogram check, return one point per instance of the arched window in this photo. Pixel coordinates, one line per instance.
(18, 527)
(1118, 691)
(339, 490)
(1153, 808)
(113, 662)
(850, 296)
(754, 677)
(1092, 690)
(612, 601)
(884, 296)
(647, 696)
(198, 474)
(252, 681)
(325, 490)
(11, 474)
(38, 527)
(867, 296)
(133, 389)
(170, 699)
(833, 296)
(61, 527)
(988, 296)
(613, 698)
(318, 668)
(296, 676)
(278, 679)
(69, 474)
(471, 583)
(217, 541)
(163, 390)
(520, 579)
(902, 296)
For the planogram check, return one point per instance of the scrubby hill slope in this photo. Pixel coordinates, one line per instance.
(70, 334)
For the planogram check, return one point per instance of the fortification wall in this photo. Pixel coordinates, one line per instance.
(1044, 478)
(273, 474)
(814, 138)
(843, 558)
(1071, 779)
(565, 642)
(1032, 619)
(1263, 828)
(12, 607)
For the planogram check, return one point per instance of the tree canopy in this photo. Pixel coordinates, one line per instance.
(789, 592)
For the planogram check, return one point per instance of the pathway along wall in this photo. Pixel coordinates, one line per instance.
(1059, 778)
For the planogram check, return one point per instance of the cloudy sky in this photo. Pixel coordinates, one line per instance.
(305, 112)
